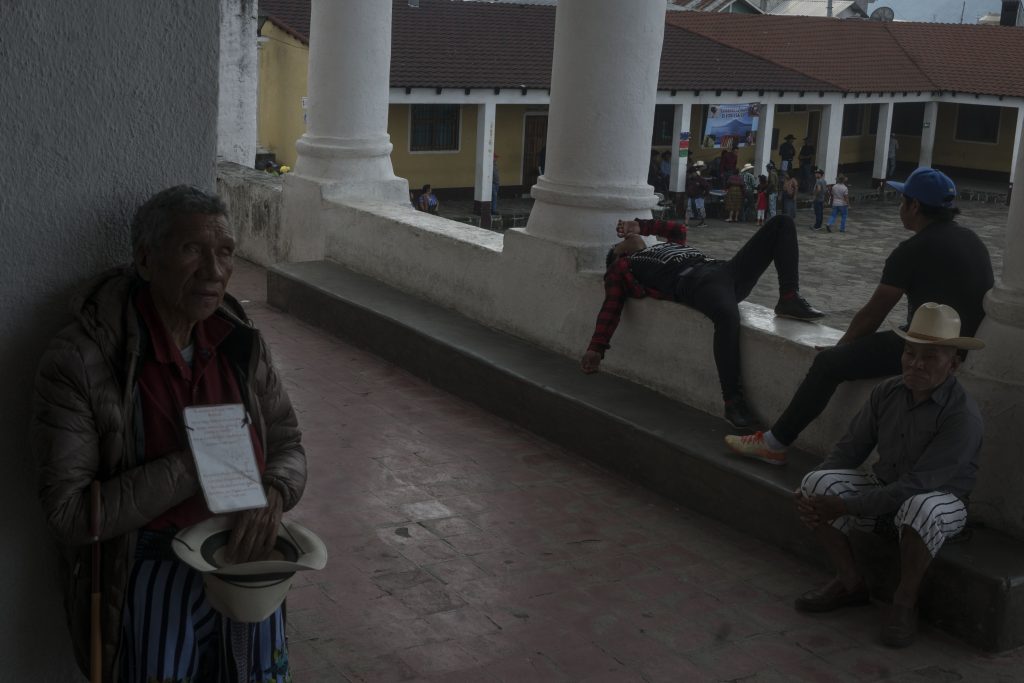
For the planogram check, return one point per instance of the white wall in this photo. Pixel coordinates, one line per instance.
(103, 104)
(236, 118)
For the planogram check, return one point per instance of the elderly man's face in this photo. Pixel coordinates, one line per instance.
(926, 366)
(189, 272)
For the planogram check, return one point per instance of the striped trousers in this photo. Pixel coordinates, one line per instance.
(171, 634)
(935, 516)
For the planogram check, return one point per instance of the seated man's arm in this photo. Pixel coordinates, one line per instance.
(873, 313)
(66, 443)
(618, 284)
(671, 231)
(284, 477)
(949, 453)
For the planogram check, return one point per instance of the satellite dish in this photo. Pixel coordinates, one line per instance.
(883, 14)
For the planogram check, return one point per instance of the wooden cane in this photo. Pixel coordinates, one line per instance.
(96, 636)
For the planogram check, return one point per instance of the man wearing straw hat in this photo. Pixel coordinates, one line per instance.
(928, 433)
(150, 340)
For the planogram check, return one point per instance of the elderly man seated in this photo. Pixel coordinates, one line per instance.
(928, 434)
(150, 340)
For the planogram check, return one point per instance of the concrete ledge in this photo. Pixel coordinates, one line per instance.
(975, 590)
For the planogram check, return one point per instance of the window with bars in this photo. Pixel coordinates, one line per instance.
(977, 123)
(434, 128)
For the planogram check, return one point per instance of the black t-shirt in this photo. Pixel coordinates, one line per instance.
(787, 151)
(945, 263)
(658, 266)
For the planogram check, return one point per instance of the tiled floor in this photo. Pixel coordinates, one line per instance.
(465, 549)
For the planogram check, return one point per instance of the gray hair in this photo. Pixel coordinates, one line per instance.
(155, 217)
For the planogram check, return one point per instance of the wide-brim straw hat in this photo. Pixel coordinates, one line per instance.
(746, 167)
(249, 591)
(939, 325)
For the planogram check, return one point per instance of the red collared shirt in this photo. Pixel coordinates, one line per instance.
(167, 385)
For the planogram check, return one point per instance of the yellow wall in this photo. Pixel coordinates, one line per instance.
(458, 169)
(282, 85)
(991, 157)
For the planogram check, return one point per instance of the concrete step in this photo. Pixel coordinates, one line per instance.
(975, 589)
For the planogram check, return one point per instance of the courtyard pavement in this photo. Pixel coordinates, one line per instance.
(463, 548)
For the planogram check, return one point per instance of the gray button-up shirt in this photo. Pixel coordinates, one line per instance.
(928, 446)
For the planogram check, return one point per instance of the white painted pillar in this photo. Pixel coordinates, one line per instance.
(763, 153)
(931, 116)
(1019, 133)
(484, 162)
(236, 99)
(346, 143)
(681, 119)
(1003, 327)
(882, 134)
(604, 80)
(830, 135)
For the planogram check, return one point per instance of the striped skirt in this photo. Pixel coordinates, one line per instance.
(171, 634)
(935, 515)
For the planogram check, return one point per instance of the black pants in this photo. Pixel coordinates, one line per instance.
(715, 289)
(876, 355)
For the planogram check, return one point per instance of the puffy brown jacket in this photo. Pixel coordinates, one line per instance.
(84, 428)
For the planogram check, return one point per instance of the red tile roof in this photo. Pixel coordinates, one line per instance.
(854, 56)
(290, 15)
(952, 56)
(457, 44)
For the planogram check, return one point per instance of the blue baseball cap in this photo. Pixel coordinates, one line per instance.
(927, 186)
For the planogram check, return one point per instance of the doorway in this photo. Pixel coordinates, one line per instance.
(535, 134)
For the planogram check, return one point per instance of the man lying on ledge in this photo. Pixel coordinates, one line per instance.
(671, 270)
(928, 434)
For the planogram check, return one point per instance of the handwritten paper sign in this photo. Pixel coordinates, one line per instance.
(225, 461)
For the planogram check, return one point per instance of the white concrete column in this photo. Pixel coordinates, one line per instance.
(882, 134)
(1003, 327)
(681, 119)
(346, 143)
(1018, 134)
(484, 161)
(604, 79)
(763, 154)
(931, 116)
(236, 99)
(830, 135)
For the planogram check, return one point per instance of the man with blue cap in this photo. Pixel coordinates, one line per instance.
(943, 262)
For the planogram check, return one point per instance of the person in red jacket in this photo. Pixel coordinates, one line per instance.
(674, 271)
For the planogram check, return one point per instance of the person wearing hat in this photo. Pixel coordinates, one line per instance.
(696, 190)
(150, 340)
(677, 272)
(786, 152)
(749, 191)
(928, 432)
(942, 261)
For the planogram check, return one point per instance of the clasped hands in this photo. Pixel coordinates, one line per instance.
(817, 510)
(255, 531)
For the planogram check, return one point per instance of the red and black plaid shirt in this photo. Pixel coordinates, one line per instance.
(620, 283)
